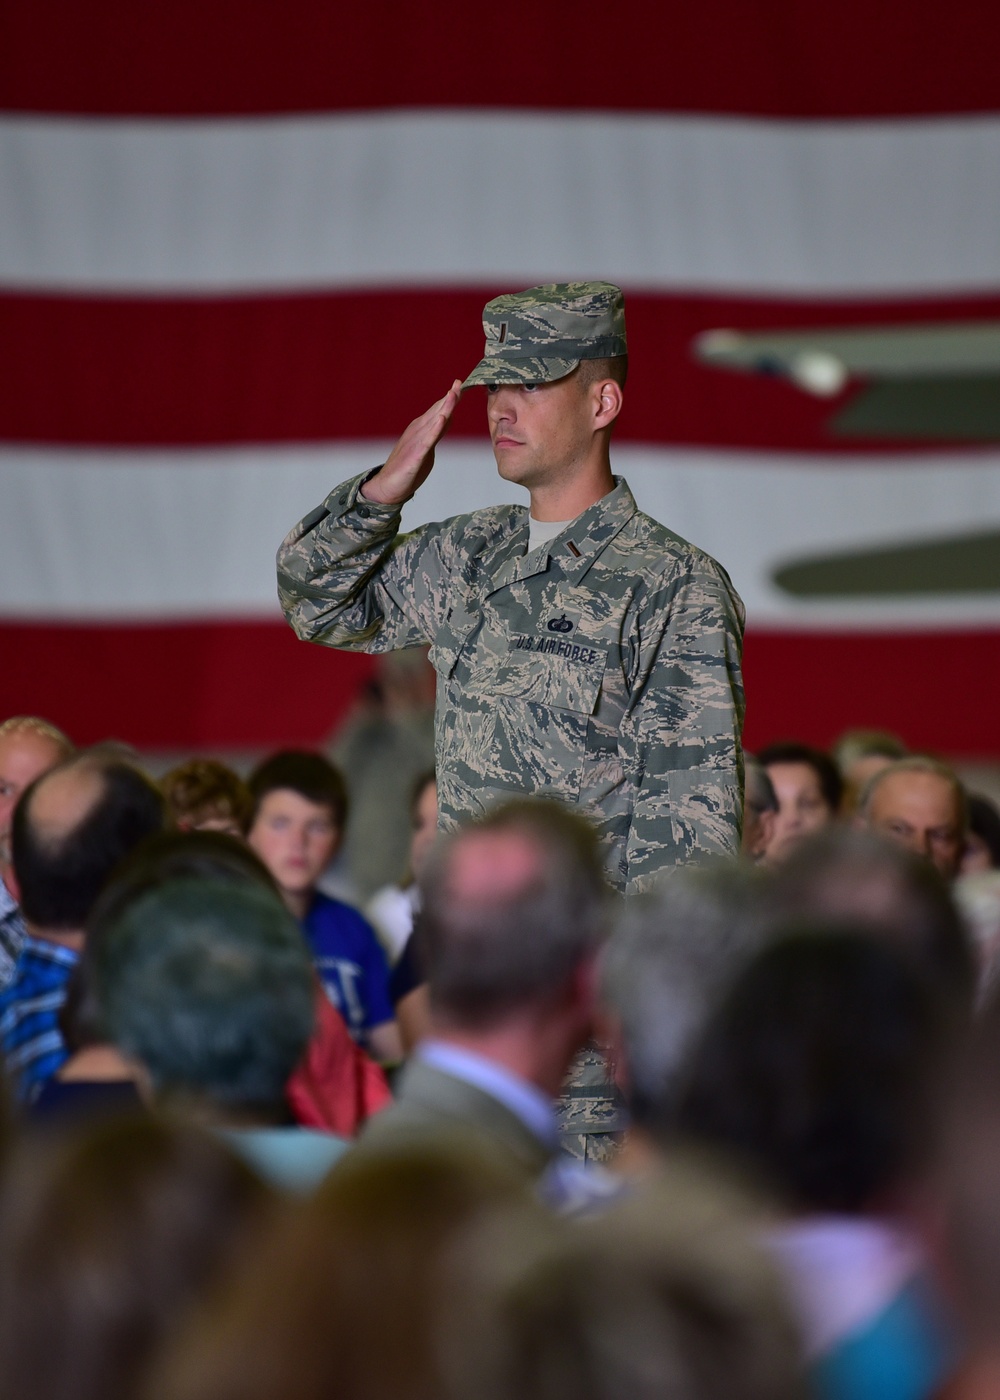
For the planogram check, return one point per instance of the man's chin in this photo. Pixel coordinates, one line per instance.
(511, 470)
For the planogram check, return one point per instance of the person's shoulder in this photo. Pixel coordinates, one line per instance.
(478, 528)
(651, 548)
(327, 914)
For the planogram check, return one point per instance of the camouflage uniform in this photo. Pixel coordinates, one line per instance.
(603, 669)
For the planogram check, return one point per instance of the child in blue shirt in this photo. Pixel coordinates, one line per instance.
(300, 805)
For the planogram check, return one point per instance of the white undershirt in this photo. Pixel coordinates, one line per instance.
(541, 531)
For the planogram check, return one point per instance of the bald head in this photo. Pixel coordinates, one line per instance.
(512, 906)
(29, 747)
(493, 865)
(71, 828)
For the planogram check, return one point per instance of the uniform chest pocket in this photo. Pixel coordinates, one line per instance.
(568, 677)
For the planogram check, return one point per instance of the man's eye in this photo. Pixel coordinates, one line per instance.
(529, 388)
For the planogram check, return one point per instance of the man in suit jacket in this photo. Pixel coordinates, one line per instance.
(513, 914)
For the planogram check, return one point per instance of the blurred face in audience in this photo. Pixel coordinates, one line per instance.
(24, 756)
(802, 808)
(920, 811)
(295, 838)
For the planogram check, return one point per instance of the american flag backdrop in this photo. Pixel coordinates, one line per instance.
(242, 243)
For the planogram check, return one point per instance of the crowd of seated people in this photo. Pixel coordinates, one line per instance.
(264, 1132)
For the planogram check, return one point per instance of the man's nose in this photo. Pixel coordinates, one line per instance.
(501, 405)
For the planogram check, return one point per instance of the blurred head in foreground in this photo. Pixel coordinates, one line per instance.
(514, 909)
(209, 988)
(816, 1071)
(666, 1299)
(850, 876)
(347, 1296)
(672, 958)
(110, 1238)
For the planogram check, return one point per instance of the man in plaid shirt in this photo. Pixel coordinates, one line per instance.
(70, 829)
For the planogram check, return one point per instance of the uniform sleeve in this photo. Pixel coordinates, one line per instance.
(684, 727)
(347, 578)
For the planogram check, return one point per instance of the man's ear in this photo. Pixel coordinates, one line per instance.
(609, 400)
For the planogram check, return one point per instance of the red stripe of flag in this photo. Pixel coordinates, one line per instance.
(775, 58)
(167, 372)
(937, 690)
(252, 685)
(161, 686)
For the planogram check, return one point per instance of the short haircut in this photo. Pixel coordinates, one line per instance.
(856, 744)
(842, 874)
(672, 957)
(33, 724)
(818, 1069)
(759, 791)
(159, 860)
(610, 367)
(917, 763)
(60, 877)
(485, 958)
(203, 790)
(304, 772)
(830, 782)
(210, 987)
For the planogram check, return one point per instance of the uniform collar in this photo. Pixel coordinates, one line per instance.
(578, 546)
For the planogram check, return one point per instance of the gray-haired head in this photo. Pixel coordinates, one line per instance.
(672, 958)
(210, 987)
(542, 334)
(512, 905)
(916, 763)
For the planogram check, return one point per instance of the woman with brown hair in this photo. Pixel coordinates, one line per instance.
(111, 1237)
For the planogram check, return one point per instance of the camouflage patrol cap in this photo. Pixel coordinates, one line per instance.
(542, 334)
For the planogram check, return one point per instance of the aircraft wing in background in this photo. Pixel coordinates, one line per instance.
(925, 382)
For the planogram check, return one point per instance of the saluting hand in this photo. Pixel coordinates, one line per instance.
(410, 461)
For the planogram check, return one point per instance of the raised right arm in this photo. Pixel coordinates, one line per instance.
(346, 577)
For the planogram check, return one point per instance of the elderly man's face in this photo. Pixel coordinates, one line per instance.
(920, 811)
(24, 756)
